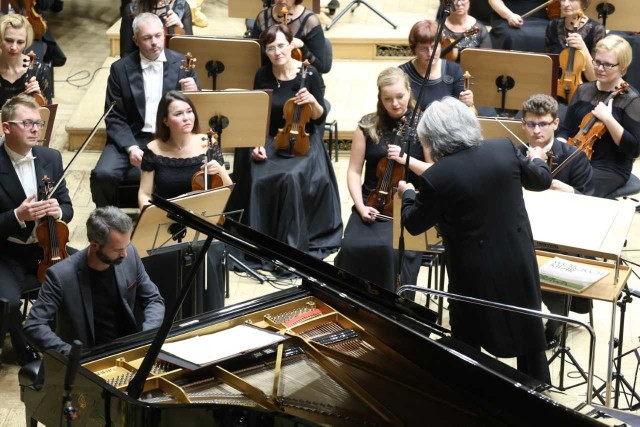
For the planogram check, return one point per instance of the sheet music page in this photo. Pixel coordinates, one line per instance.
(206, 349)
(571, 275)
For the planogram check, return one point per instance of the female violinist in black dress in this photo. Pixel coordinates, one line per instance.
(178, 15)
(614, 154)
(509, 31)
(16, 76)
(293, 199)
(367, 247)
(169, 162)
(459, 22)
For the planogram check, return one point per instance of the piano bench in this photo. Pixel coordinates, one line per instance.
(28, 376)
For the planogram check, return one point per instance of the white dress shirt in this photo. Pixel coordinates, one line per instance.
(152, 74)
(26, 171)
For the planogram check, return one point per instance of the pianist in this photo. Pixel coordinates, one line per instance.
(474, 192)
(91, 296)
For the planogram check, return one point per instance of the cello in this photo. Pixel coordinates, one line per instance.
(292, 139)
(389, 173)
(591, 130)
(31, 73)
(572, 62)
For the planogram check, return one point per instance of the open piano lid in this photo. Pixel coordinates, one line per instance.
(395, 372)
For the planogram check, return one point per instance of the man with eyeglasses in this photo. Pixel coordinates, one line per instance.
(92, 296)
(23, 165)
(136, 84)
(540, 121)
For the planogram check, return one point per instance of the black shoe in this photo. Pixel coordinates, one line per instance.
(26, 355)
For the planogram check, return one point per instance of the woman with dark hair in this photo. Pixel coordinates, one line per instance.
(305, 27)
(509, 31)
(479, 224)
(177, 152)
(365, 237)
(446, 76)
(168, 163)
(16, 35)
(293, 199)
(173, 13)
(614, 153)
(560, 33)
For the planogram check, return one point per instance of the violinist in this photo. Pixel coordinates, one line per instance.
(293, 199)
(510, 31)
(481, 224)
(17, 73)
(306, 29)
(177, 152)
(175, 14)
(614, 153)
(560, 33)
(459, 21)
(446, 76)
(23, 164)
(365, 237)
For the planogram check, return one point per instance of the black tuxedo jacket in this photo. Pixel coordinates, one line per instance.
(47, 162)
(125, 87)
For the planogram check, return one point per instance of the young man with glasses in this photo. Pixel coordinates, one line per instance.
(23, 165)
(614, 153)
(540, 121)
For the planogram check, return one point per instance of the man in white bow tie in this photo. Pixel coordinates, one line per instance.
(23, 164)
(136, 84)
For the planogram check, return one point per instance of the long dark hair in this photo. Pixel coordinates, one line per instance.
(163, 132)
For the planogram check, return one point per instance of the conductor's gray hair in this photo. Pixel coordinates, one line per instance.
(448, 126)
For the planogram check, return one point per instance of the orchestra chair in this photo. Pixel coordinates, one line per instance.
(631, 188)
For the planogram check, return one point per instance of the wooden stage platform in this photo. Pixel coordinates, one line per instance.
(361, 43)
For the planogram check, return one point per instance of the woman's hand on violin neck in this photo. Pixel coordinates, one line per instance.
(304, 97)
(466, 96)
(32, 86)
(575, 41)
(259, 154)
(367, 213)
(393, 153)
(603, 112)
(171, 19)
(213, 167)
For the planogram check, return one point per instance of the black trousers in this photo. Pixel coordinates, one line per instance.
(605, 182)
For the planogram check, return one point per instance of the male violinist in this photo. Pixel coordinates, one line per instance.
(136, 84)
(23, 164)
(539, 122)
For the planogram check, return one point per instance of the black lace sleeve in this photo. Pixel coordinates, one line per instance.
(148, 160)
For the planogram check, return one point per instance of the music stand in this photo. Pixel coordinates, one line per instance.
(618, 15)
(505, 79)
(352, 7)
(222, 63)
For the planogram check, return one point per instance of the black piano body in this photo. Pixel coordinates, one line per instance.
(391, 366)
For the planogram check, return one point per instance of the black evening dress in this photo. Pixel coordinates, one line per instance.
(172, 178)
(611, 163)
(528, 38)
(480, 39)
(41, 71)
(367, 248)
(296, 199)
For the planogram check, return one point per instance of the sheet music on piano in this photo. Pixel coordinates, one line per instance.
(199, 351)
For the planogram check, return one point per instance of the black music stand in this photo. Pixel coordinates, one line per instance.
(352, 7)
(156, 234)
(619, 15)
(222, 63)
(505, 79)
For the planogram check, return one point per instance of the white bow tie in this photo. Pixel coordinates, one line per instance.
(145, 63)
(25, 159)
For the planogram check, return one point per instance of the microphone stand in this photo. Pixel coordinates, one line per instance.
(69, 412)
(410, 131)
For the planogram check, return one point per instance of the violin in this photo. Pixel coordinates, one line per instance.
(591, 130)
(296, 53)
(389, 173)
(449, 47)
(553, 9)
(27, 8)
(53, 236)
(173, 30)
(201, 180)
(467, 77)
(292, 138)
(31, 73)
(572, 62)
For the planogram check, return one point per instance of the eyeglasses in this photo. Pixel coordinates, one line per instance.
(604, 65)
(28, 124)
(280, 47)
(541, 125)
(460, 1)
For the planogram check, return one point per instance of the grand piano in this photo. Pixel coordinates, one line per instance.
(353, 354)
